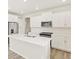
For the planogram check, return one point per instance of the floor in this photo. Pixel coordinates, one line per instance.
(59, 54)
(12, 55)
(55, 54)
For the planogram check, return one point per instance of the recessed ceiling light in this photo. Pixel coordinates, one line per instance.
(25, 0)
(63, 0)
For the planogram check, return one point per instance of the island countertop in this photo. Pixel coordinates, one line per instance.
(30, 47)
(34, 40)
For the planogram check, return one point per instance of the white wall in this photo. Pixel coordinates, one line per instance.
(21, 22)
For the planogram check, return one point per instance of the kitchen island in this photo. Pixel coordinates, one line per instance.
(30, 47)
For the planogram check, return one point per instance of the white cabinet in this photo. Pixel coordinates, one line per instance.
(58, 42)
(58, 20)
(35, 21)
(62, 19)
(61, 39)
(68, 19)
(68, 40)
(30, 48)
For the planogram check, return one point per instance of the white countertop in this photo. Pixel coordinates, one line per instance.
(34, 40)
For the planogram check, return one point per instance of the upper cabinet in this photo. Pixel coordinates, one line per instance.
(35, 21)
(68, 19)
(58, 20)
(61, 19)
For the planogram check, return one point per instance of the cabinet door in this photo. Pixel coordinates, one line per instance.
(67, 43)
(58, 39)
(58, 42)
(68, 40)
(68, 19)
(62, 19)
(58, 19)
(35, 21)
(61, 39)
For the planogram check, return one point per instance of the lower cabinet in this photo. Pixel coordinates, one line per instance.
(61, 40)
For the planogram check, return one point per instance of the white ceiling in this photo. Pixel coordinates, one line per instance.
(21, 7)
